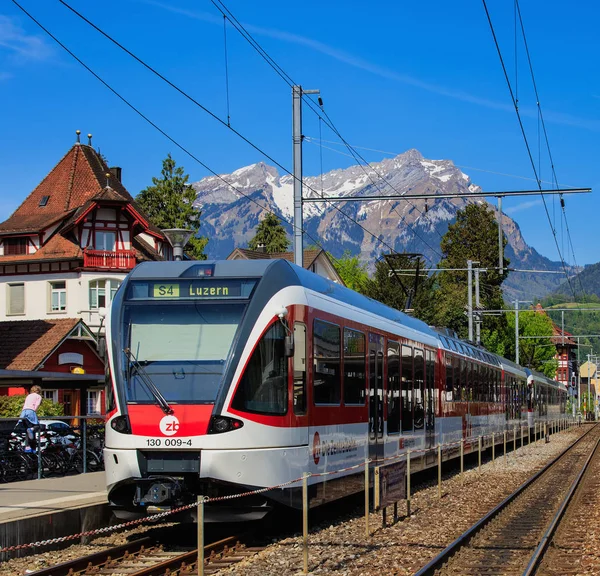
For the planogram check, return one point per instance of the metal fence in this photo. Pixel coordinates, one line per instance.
(61, 445)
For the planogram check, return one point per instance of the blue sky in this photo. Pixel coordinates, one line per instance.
(393, 76)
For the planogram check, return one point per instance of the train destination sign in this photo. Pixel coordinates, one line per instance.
(192, 289)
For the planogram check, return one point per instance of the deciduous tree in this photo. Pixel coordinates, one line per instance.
(169, 204)
(394, 290)
(352, 271)
(535, 353)
(474, 236)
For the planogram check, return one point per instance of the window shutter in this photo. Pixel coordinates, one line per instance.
(16, 298)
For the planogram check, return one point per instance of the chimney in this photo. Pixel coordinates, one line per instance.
(260, 248)
(116, 172)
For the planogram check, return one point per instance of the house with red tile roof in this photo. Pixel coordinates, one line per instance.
(60, 356)
(316, 261)
(65, 250)
(566, 351)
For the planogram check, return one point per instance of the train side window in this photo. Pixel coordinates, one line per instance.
(393, 389)
(449, 379)
(264, 385)
(355, 372)
(471, 381)
(430, 395)
(464, 393)
(327, 352)
(299, 393)
(486, 384)
(419, 389)
(111, 402)
(456, 383)
(407, 388)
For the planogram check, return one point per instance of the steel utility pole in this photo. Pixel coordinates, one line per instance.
(297, 144)
(478, 321)
(517, 302)
(470, 298)
(578, 379)
(500, 239)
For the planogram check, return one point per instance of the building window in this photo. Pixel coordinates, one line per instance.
(15, 299)
(94, 398)
(102, 292)
(58, 296)
(51, 395)
(15, 246)
(105, 240)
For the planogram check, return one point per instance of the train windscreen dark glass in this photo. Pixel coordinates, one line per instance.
(182, 347)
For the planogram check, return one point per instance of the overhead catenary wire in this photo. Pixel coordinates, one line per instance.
(377, 238)
(226, 69)
(546, 139)
(152, 123)
(322, 114)
(527, 146)
(388, 153)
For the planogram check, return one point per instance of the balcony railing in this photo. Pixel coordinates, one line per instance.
(116, 260)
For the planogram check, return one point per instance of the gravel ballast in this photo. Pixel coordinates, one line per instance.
(342, 547)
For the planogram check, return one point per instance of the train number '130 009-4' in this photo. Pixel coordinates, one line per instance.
(175, 442)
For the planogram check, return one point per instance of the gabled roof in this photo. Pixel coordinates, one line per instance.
(559, 337)
(78, 184)
(308, 257)
(144, 251)
(79, 176)
(27, 343)
(57, 248)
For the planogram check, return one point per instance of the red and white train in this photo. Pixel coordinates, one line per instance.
(230, 376)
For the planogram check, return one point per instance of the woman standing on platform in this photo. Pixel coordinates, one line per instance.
(29, 412)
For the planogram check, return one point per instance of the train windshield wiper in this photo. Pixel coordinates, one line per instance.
(147, 381)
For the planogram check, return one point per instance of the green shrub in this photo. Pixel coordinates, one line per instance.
(11, 406)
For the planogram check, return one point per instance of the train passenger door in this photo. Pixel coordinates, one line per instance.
(429, 399)
(376, 357)
(299, 391)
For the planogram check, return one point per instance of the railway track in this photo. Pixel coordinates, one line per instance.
(514, 536)
(144, 557)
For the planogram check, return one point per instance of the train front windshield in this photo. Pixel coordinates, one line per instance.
(178, 347)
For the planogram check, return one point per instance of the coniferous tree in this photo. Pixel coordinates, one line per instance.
(271, 234)
(168, 203)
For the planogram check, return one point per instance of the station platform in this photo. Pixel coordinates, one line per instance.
(34, 497)
(35, 510)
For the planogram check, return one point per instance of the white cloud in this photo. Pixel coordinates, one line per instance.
(23, 46)
(522, 206)
(383, 72)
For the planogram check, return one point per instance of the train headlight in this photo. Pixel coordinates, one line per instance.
(121, 424)
(220, 424)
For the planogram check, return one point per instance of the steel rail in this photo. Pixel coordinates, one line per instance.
(96, 559)
(538, 553)
(439, 560)
(106, 559)
(184, 560)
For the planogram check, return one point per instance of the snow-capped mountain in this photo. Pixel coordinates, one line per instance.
(232, 205)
